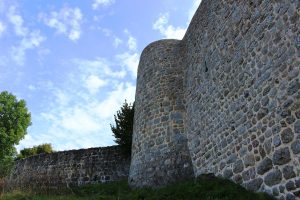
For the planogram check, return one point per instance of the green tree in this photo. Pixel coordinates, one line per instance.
(123, 128)
(14, 121)
(43, 148)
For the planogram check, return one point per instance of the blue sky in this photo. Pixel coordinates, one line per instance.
(75, 61)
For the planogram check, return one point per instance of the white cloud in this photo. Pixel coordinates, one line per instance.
(108, 107)
(132, 43)
(99, 66)
(94, 83)
(2, 28)
(79, 119)
(67, 22)
(81, 123)
(17, 22)
(107, 32)
(30, 41)
(117, 42)
(31, 87)
(130, 61)
(168, 31)
(99, 3)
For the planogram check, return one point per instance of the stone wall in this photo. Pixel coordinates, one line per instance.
(160, 153)
(239, 62)
(60, 171)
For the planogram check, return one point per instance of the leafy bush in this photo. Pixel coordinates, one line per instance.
(14, 121)
(43, 148)
(124, 127)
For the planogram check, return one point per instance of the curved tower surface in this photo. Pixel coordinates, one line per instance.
(160, 154)
(230, 90)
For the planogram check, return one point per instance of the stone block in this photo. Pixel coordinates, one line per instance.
(273, 178)
(264, 166)
(281, 156)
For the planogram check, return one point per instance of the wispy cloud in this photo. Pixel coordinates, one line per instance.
(100, 3)
(17, 22)
(171, 32)
(2, 28)
(117, 42)
(94, 83)
(67, 21)
(78, 118)
(130, 61)
(131, 42)
(99, 66)
(29, 39)
(168, 31)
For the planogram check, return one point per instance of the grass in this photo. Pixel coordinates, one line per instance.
(204, 188)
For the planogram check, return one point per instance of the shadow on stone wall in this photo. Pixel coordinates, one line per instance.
(60, 171)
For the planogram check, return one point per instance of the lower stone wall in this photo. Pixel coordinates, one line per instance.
(60, 171)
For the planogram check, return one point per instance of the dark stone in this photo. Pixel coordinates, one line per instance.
(287, 135)
(254, 184)
(238, 179)
(249, 174)
(262, 152)
(164, 118)
(227, 173)
(249, 160)
(267, 145)
(297, 113)
(281, 156)
(262, 113)
(238, 166)
(264, 166)
(231, 159)
(255, 143)
(222, 165)
(296, 147)
(294, 86)
(243, 151)
(297, 193)
(297, 182)
(297, 126)
(285, 113)
(290, 119)
(281, 188)
(276, 129)
(290, 196)
(287, 103)
(176, 116)
(276, 141)
(275, 191)
(290, 185)
(256, 107)
(265, 101)
(288, 172)
(274, 177)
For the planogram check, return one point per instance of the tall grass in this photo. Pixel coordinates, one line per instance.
(204, 188)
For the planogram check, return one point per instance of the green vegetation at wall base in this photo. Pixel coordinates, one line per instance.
(204, 188)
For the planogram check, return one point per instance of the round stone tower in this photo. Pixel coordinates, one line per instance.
(159, 152)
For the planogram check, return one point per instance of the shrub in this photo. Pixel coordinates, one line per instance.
(124, 127)
(43, 148)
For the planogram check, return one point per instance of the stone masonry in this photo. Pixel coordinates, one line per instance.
(59, 172)
(160, 153)
(224, 100)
